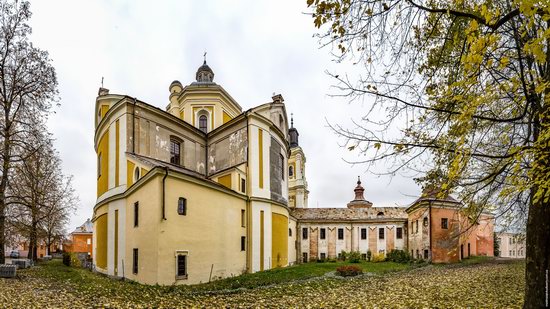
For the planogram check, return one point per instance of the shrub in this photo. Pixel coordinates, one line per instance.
(332, 260)
(67, 258)
(353, 256)
(398, 256)
(378, 257)
(348, 270)
(343, 255)
(369, 255)
(320, 260)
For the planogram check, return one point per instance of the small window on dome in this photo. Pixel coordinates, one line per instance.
(203, 123)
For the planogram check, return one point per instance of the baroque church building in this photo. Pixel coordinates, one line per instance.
(204, 190)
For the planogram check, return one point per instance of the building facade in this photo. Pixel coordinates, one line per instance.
(511, 245)
(192, 193)
(81, 239)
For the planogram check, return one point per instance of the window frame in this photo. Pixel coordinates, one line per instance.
(398, 233)
(290, 171)
(322, 233)
(173, 155)
(185, 255)
(342, 235)
(289, 232)
(135, 261)
(363, 233)
(243, 243)
(305, 233)
(444, 223)
(205, 117)
(243, 218)
(283, 169)
(182, 210)
(381, 233)
(136, 214)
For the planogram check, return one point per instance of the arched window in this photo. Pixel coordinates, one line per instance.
(175, 146)
(380, 215)
(291, 171)
(136, 174)
(203, 123)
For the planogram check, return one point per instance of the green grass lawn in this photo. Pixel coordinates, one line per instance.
(486, 283)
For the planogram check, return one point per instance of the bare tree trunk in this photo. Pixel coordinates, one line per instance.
(3, 187)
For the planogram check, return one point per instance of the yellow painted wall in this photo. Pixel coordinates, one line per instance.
(261, 157)
(182, 115)
(129, 173)
(101, 241)
(143, 172)
(226, 117)
(103, 149)
(211, 232)
(117, 152)
(225, 181)
(279, 240)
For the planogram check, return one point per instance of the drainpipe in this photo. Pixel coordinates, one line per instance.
(134, 127)
(164, 193)
(430, 215)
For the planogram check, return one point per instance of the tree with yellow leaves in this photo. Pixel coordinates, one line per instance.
(467, 83)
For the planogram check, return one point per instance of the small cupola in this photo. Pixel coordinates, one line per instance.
(205, 73)
(293, 133)
(359, 200)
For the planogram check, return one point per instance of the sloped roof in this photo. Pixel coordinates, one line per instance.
(374, 214)
(86, 227)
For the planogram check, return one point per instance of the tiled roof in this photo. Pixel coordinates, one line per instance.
(87, 227)
(374, 214)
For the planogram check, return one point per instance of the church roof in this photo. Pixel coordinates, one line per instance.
(374, 214)
(86, 227)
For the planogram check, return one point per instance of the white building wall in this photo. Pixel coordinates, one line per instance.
(257, 207)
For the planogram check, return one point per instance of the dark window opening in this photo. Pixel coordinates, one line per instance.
(289, 232)
(99, 165)
(323, 256)
(426, 254)
(363, 256)
(135, 261)
(340, 233)
(444, 223)
(304, 257)
(323, 233)
(243, 243)
(203, 123)
(175, 152)
(182, 206)
(425, 221)
(399, 233)
(380, 215)
(243, 217)
(243, 185)
(304, 233)
(363, 233)
(182, 266)
(291, 171)
(381, 233)
(282, 159)
(417, 254)
(136, 214)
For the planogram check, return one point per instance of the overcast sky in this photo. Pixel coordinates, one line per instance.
(256, 48)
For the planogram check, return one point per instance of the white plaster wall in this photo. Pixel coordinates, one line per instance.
(292, 241)
(341, 243)
(381, 242)
(254, 160)
(122, 152)
(112, 155)
(322, 244)
(304, 243)
(256, 208)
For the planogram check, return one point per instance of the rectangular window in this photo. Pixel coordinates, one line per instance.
(289, 232)
(135, 261)
(323, 233)
(340, 233)
(136, 214)
(426, 253)
(181, 266)
(399, 233)
(381, 233)
(363, 233)
(282, 158)
(304, 257)
(99, 165)
(243, 243)
(174, 152)
(304, 233)
(243, 185)
(323, 256)
(243, 217)
(363, 256)
(444, 223)
(182, 206)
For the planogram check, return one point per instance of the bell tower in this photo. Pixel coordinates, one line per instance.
(297, 185)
